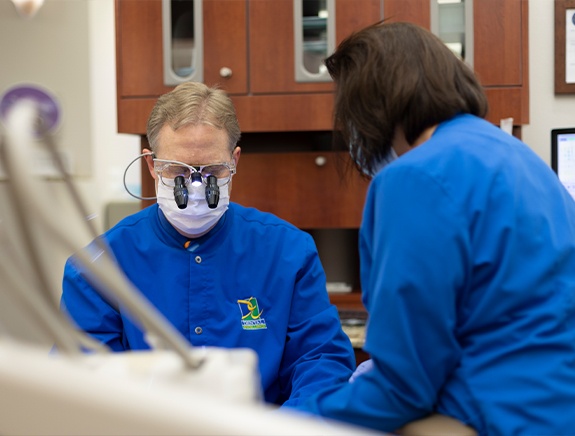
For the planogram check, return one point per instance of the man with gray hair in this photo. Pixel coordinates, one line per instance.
(223, 274)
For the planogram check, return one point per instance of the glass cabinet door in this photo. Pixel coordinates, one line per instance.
(452, 21)
(314, 32)
(289, 40)
(182, 22)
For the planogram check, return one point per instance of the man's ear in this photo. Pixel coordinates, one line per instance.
(236, 155)
(150, 162)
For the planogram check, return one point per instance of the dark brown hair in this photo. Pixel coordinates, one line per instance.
(392, 75)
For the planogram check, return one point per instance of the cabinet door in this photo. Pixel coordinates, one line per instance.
(413, 11)
(500, 50)
(140, 50)
(498, 42)
(225, 44)
(501, 57)
(308, 189)
(272, 46)
(497, 34)
(139, 55)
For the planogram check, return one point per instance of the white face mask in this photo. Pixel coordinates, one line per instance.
(391, 156)
(197, 218)
(378, 166)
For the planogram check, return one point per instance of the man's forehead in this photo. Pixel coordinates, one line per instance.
(204, 141)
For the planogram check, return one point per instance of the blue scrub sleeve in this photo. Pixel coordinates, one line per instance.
(413, 261)
(317, 352)
(89, 310)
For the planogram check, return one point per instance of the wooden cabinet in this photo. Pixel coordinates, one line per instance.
(254, 39)
(139, 54)
(501, 57)
(272, 49)
(500, 34)
(139, 47)
(308, 189)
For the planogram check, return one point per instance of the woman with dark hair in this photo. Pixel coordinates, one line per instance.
(467, 249)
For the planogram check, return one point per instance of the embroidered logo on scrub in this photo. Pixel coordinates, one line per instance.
(251, 314)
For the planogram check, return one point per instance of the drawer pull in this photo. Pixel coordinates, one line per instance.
(320, 161)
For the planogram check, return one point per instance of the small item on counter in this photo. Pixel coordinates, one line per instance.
(338, 287)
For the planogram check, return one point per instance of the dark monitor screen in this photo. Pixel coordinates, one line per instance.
(563, 157)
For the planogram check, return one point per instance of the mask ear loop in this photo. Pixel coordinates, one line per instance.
(126, 172)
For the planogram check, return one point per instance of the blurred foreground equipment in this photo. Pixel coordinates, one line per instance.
(83, 388)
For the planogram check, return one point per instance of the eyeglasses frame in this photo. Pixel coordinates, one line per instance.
(193, 169)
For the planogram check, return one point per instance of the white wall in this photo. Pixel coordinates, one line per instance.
(51, 50)
(68, 48)
(547, 111)
(112, 151)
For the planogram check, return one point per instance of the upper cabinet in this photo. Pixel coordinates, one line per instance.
(257, 49)
(274, 27)
(248, 49)
(497, 40)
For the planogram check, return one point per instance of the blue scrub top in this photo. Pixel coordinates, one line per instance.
(253, 281)
(468, 272)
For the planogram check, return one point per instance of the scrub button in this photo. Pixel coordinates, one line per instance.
(198, 259)
(198, 330)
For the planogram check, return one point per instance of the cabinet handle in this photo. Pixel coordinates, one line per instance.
(225, 72)
(320, 161)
